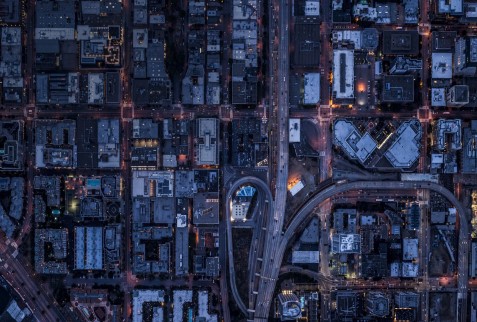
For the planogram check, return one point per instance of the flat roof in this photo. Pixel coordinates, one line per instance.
(296, 188)
(343, 73)
(356, 145)
(438, 96)
(207, 153)
(469, 153)
(140, 38)
(410, 269)
(405, 150)
(206, 208)
(450, 6)
(88, 248)
(312, 8)
(140, 297)
(294, 132)
(96, 88)
(145, 129)
(55, 14)
(442, 65)
(307, 44)
(398, 88)
(181, 246)
(203, 311)
(400, 42)
(311, 88)
(148, 183)
(443, 40)
(305, 257)
(410, 249)
(446, 129)
(346, 243)
(180, 298)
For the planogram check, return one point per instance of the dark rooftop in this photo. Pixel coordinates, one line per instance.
(398, 88)
(400, 42)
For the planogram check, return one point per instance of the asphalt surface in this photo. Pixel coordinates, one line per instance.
(20, 276)
(265, 194)
(274, 225)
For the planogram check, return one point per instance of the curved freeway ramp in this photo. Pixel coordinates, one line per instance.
(262, 186)
(262, 307)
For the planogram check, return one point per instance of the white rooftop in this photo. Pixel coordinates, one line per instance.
(353, 36)
(442, 65)
(343, 73)
(143, 296)
(405, 149)
(180, 298)
(294, 132)
(357, 146)
(204, 308)
(296, 188)
(312, 8)
(438, 97)
(312, 88)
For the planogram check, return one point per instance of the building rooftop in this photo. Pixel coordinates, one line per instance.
(207, 137)
(181, 246)
(406, 299)
(294, 130)
(469, 151)
(88, 248)
(206, 208)
(410, 249)
(55, 14)
(405, 150)
(307, 45)
(377, 304)
(148, 183)
(10, 11)
(443, 41)
(141, 297)
(343, 74)
(452, 7)
(305, 257)
(203, 310)
(410, 269)
(446, 130)
(180, 297)
(438, 97)
(442, 65)
(346, 244)
(57, 239)
(311, 88)
(400, 42)
(145, 129)
(347, 304)
(398, 88)
(12, 151)
(55, 143)
(356, 145)
(108, 143)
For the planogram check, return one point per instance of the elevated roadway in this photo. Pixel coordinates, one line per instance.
(262, 189)
(303, 214)
(259, 309)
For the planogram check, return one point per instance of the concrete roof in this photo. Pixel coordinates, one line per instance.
(343, 73)
(442, 65)
(311, 88)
